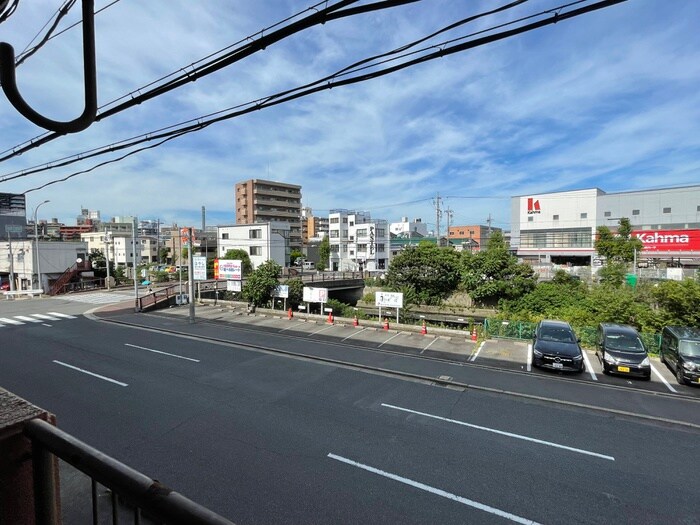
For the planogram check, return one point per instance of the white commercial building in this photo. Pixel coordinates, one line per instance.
(406, 228)
(561, 227)
(119, 247)
(266, 241)
(357, 242)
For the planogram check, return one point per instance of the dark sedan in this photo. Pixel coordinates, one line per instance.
(621, 351)
(555, 346)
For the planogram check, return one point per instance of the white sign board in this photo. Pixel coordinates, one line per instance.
(233, 286)
(388, 299)
(199, 268)
(674, 274)
(315, 295)
(230, 269)
(281, 291)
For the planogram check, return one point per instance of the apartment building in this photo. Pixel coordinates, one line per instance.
(264, 201)
(358, 243)
(261, 241)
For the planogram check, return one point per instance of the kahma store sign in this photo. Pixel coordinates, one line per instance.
(669, 240)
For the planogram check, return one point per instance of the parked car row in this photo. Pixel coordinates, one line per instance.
(619, 349)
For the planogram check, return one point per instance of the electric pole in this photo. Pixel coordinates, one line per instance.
(438, 213)
(450, 215)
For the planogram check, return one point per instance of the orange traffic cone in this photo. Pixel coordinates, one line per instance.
(386, 323)
(355, 322)
(424, 329)
(290, 314)
(330, 317)
(474, 333)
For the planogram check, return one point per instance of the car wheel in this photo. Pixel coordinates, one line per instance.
(602, 362)
(679, 375)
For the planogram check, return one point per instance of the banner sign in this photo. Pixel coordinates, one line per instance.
(388, 299)
(199, 268)
(230, 269)
(669, 240)
(281, 291)
(315, 295)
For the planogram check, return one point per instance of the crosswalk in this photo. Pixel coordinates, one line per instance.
(16, 320)
(96, 298)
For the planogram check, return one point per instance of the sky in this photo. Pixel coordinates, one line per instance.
(608, 99)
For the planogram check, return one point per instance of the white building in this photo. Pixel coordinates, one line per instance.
(118, 248)
(357, 242)
(414, 228)
(266, 241)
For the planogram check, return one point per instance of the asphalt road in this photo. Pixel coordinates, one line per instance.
(264, 437)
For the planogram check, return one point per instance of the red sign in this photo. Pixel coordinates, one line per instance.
(533, 206)
(669, 240)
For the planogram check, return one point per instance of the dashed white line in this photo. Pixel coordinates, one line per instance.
(46, 317)
(473, 358)
(91, 373)
(663, 380)
(7, 320)
(502, 432)
(436, 491)
(160, 352)
(65, 316)
(27, 319)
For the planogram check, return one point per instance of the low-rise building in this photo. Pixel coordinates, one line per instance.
(265, 241)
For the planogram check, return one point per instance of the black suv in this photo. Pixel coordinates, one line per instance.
(555, 346)
(621, 351)
(680, 350)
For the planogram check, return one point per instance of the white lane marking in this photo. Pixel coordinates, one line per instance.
(9, 321)
(392, 337)
(288, 328)
(354, 333)
(91, 373)
(46, 317)
(663, 380)
(65, 316)
(159, 352)
(502, 433)
(588, 365)
(27, 319)
(529, 357)
(473, 358)
(429, 344)
(321, 330)
(46, 324)
(436, 491)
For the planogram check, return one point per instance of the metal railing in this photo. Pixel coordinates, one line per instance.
(147, 498)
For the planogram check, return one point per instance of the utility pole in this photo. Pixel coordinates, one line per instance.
(107, 258)
(190, 274)
(12, 263)
(438, 213)
(450, 215)
(133, 262)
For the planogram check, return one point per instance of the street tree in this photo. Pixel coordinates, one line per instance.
(324, 253)
(619, 249)
(261, 283)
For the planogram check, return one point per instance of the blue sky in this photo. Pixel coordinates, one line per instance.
(609, 99)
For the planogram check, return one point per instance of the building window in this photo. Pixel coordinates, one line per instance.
(255, 234)
(224, 236)
(698, 208)
(584, 215)
(361, 248)
(334, 220)
(607, 214)
(361, 232)
(334, 234)
(555, 217)
(667, 210)
(381, 232)
(530, 219)
(256, 250)
(380, 248)
(352, 252)
(635, 212)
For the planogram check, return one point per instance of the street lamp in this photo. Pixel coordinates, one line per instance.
(36, 241)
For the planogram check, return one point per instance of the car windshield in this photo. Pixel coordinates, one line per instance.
(690, 348)
(625, 342)
(560, 335)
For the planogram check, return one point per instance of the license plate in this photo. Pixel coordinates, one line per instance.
(623, 368)
(557, 365)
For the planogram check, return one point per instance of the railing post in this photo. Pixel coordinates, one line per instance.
(20, 496)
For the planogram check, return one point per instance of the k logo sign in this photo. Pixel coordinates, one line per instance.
(533, 206)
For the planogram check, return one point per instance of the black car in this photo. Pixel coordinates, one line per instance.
(555, 346)
(621, 351)
(680, 350)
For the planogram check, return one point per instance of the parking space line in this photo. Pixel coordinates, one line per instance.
(529, 357)
(321, 330)
(160, 352)
(588, 365)
(392, 337)
(473, 358)
(663, 380)
(502, 433)
(352, 334)
(429, 344)
(433, 490)
(288, 328)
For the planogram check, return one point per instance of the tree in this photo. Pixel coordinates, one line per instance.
(619, 247)
(261, 283)
(494, 274)
(240, 255)
(294, 255)
(296, 292)
(163, 253)
(432, 271)
(678, 301)
(324, 253)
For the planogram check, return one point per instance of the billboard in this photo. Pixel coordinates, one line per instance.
(229, 269)
(389, 299)
(315, 295)
(199, 268)
(669, 240)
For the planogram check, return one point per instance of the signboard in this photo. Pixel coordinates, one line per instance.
(199, 268)
(674, 274)
(185, 236)
(669, 240)
(230, 269)
(233, 286)
(12, 228)
(281, 291)
(389, 299)
(315, 295)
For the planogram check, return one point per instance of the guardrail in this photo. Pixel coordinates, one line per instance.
(146, 497)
